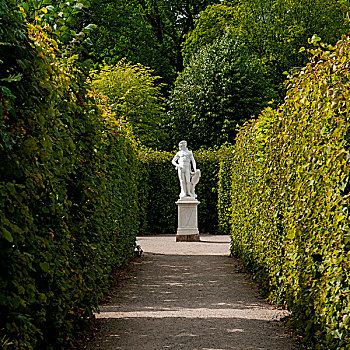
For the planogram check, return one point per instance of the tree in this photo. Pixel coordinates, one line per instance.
(219, 89)
(213, 23)
(149, 32)
(132, 92)
(272, 31)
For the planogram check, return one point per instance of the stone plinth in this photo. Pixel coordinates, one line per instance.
(187, 229)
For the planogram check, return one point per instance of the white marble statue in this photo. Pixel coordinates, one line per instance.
(188, 178)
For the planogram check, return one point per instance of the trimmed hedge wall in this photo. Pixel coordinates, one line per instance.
(159, 189)
(290, 198)
(224, 185)
(68, 204)
(74, 190)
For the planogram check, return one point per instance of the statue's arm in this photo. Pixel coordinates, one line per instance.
(193, 163)
(174, 161)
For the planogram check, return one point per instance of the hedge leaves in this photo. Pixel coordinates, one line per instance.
(290, 183)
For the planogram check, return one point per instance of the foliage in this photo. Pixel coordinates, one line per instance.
(290, 198)
(224, 185)
(213, 23)
(124, 31)
(272, 31)
(63, 17)
(219, 89)
(133, 93)
(159, 190)
(149, 32)
(67, 172)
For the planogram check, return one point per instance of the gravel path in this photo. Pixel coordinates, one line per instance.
(188, 296)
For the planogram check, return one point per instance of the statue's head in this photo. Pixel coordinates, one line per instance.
(182, 144)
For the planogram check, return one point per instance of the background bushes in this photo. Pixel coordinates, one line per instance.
(134, 93)
(159, 189)
(220, 88)
(68, 207)
(290, 198)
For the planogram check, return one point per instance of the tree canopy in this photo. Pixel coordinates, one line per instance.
(149, 32)
(272, 31)
(219, 89)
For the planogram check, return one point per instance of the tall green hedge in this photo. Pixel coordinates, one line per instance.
(290, 198)
(159, 190)
(224, 185)
(68, 204)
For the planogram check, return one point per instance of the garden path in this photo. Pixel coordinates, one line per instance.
(189, 296)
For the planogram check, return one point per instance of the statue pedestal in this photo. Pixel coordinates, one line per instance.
(187, 229)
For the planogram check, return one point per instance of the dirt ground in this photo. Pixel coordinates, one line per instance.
(189, 296)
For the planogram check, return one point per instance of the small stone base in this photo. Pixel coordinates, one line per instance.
(187, 228)
(187, 238)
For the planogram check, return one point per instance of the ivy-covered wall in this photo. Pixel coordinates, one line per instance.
(159, 189)
(290, 186)
(68, 195)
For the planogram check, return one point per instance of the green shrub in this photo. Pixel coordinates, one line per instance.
(68, 204)
(290, 198)
(159, 190)
(133, 92)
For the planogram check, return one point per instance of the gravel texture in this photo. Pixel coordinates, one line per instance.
(185, 295)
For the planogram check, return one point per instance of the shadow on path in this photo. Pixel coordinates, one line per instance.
(189, 302)
(192, 333)
(206, 241)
